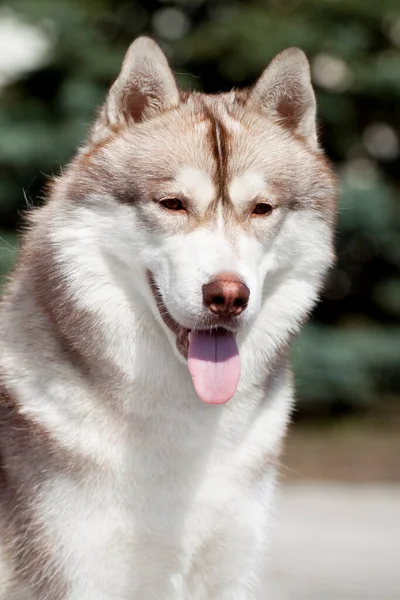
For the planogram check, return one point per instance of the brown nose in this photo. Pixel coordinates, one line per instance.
(226, 295)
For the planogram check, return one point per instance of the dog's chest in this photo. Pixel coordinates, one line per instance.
(174, 487)
(122, 544)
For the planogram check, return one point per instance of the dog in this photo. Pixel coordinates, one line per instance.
(145, 385)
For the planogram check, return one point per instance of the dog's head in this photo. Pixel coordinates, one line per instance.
(220, 206)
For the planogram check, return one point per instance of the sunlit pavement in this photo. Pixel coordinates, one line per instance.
(337, 542)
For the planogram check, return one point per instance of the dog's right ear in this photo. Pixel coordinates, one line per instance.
(144, 87)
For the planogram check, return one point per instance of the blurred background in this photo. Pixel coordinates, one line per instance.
(57, 58)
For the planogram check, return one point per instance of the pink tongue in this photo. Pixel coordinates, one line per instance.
(214, 365)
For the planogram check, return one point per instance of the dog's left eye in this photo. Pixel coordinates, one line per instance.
(172, 204)
(262, 208)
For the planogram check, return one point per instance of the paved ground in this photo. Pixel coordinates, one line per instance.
(337, 542)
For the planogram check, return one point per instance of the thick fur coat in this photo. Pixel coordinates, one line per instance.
(117, 481)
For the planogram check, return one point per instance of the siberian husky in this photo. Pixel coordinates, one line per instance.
(144, 336)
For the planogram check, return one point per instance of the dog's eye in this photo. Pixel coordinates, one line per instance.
(172, 204)
(262, 208)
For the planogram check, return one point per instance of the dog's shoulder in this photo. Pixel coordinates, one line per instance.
(25, 447)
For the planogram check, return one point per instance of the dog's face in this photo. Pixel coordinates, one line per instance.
(214, 199)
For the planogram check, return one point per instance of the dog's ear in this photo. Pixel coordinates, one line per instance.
(285, 92)
(144, 88)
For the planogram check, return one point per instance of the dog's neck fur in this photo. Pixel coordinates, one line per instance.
(74, 369)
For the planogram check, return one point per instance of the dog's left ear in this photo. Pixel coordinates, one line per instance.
(144, 88)
(285, 92)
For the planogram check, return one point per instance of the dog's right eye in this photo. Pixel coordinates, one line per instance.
(172, 204)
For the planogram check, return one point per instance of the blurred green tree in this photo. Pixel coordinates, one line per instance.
(350, 351)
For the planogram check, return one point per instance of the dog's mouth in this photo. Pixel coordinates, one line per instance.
(212, 354)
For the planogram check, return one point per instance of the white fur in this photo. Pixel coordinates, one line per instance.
(183, 487)
(187, 482)
(246, 187)
(196, 185)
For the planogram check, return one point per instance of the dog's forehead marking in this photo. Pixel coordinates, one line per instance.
(219, 147)
(197, 185)
(246, 187)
